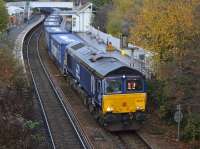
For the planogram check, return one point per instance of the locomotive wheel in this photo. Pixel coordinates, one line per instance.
(101, 121)
(96, 114)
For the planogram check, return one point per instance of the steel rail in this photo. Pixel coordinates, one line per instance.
(130, 135)
(68, 111)
(144, 141)
(37, 92)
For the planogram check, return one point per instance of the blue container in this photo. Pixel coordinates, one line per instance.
(58, 44)
(51, 24)
(53, 16)
(51, 31)
(52, 20)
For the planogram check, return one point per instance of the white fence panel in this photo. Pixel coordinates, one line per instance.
(138, 53)
(106, 37)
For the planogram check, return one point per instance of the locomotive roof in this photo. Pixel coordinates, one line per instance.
(55, 30)
(65, 38)
(100, 62)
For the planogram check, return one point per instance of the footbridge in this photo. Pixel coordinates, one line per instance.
(33, 4)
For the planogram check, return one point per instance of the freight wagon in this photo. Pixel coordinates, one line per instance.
(51, 24)
(58, 44)
(49, 31)
(53, 19)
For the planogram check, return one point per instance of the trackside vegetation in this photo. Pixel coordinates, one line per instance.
(3, 16)
(18, 129)
(171, 30)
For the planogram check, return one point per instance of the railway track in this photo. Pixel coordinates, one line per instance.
(132, 140)
(63, 130)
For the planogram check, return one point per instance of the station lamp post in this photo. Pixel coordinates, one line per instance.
(124, 42)
(124, 35)
(26, 10)
(132, 48)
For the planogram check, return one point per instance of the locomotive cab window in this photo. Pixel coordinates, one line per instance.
(113, 86)
(134, 85)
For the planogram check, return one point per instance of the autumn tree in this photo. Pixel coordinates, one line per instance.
(171, 29)
(3, 16)
(101, 9)
(122, 16)
(100, 3)
(164, 26)
(16, 106)
(10, 71)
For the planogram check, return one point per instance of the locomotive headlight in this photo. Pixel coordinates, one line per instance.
(138, 108)
(109, 109)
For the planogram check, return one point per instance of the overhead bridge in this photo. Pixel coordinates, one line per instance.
(33, 4)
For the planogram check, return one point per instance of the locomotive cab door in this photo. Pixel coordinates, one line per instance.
(98, 91)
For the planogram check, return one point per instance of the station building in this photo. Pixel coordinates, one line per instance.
(78, 19)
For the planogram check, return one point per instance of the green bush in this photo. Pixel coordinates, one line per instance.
(32, 124)
(191, 130)
(39, 138)
(156, 94)
(3, 16)
(158, 100)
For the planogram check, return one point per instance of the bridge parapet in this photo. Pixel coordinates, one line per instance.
(34, 4)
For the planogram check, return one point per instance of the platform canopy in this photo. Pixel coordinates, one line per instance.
(14, 10)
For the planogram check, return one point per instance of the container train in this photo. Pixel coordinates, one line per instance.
(115, 93)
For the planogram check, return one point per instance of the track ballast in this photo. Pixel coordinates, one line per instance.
(60, 123)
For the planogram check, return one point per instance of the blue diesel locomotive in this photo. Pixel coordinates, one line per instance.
(116, 94)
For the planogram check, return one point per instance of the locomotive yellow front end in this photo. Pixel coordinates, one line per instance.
(124, 103)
